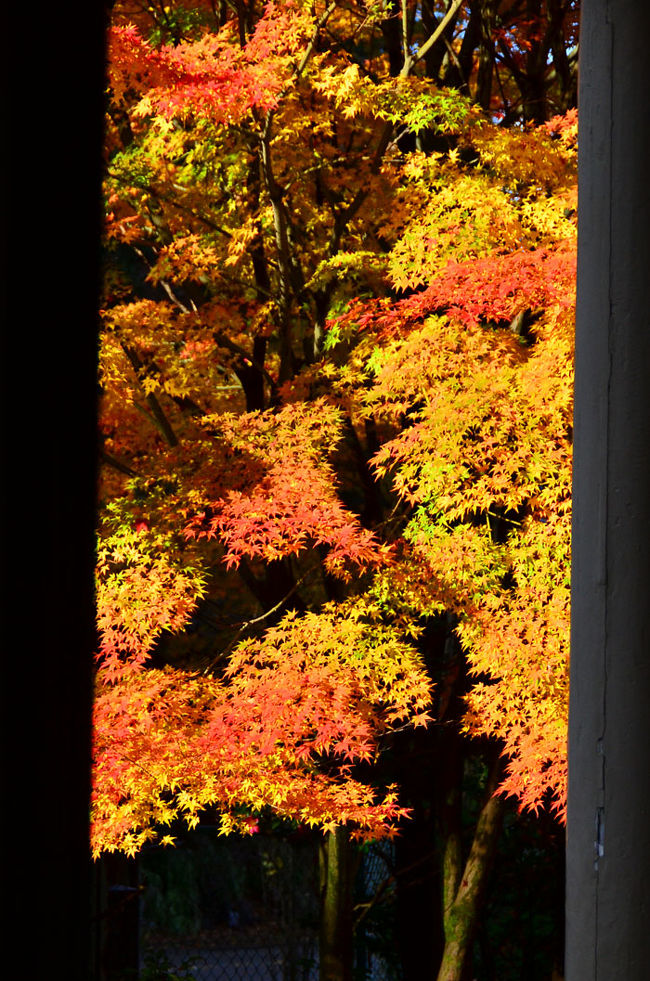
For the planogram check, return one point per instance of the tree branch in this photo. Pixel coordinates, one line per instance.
(412, 60)
(116, 464)
(253, 622)
(158, 415)
(405, 31)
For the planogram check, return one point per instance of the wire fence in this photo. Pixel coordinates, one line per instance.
(216, 909)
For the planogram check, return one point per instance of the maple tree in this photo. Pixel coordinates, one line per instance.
(336, 372)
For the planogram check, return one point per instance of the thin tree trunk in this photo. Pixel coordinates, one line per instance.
(336, 911)
(461, 908)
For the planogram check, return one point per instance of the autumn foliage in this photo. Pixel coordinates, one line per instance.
(336, 372)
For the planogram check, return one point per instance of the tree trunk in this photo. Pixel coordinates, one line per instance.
(336, 911)
(463, 904)
(418, 922)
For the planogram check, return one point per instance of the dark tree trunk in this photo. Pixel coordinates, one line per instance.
(335, 949)
(419, 897)
(465, 884)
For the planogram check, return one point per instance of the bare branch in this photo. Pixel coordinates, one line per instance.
(253, 622)
(405, 31)
(412, 60)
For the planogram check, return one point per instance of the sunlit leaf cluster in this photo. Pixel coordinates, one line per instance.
(336, 403)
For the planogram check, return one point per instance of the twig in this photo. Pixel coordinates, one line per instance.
(255, 620)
